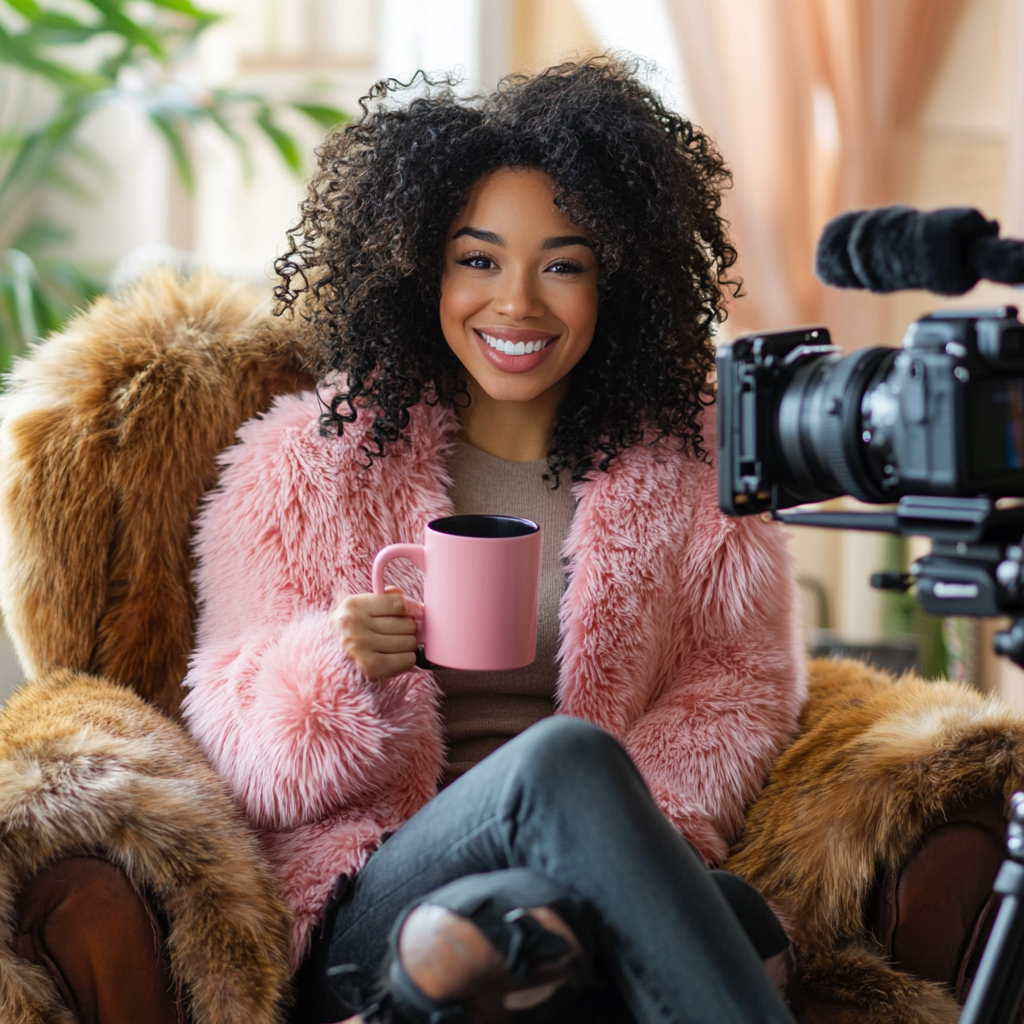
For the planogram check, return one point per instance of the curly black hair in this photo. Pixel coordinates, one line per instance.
(364, 262)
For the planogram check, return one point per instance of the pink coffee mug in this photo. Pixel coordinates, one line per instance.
(480, 590)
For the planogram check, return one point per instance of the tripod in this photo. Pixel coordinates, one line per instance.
(998, 988)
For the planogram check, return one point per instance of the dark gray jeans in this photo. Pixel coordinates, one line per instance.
(564, 799)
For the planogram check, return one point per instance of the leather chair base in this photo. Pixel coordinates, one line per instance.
(100, 942)
(933, 917)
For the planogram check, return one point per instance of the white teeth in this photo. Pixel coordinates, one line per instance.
(517, 348)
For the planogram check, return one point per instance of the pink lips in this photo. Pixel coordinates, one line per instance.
(511, 363)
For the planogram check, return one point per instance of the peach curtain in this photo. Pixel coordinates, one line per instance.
(813, 104)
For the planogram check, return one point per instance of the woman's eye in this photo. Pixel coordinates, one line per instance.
(566, 267)
(476, 261)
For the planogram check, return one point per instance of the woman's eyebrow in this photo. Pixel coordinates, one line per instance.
(562, 240)
(480, 236)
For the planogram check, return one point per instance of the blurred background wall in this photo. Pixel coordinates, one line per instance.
(818, 106)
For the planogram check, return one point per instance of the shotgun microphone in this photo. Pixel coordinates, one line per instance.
(946, 251)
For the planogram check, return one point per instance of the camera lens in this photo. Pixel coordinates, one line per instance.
(820, 430)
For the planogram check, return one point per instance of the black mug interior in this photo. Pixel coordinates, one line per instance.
(484, 526)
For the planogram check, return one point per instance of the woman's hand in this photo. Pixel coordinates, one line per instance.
(378, 631)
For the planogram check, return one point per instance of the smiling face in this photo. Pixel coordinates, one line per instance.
(518, 289)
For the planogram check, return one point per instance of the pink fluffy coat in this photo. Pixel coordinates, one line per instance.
(677, 636)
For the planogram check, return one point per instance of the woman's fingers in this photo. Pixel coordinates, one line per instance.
(410, 605)
(378, 632)
(378, 667)
(391, 643)
(378, 612)
(393, 624)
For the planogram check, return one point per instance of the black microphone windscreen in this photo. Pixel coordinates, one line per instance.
(898, 247)
(832, 260)
(999, 259)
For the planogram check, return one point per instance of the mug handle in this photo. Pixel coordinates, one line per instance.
(416, 553)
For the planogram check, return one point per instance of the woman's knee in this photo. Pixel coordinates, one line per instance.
(560, 746)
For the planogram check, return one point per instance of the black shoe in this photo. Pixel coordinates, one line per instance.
(763, 928)
(485, 949)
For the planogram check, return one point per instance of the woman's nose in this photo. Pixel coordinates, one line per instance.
(518, 296)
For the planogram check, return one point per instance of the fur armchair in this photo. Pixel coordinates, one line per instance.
(108, 438)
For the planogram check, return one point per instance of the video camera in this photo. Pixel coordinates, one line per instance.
(944, 415)
(936, 426)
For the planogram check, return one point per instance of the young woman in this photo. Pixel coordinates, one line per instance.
(511, 299)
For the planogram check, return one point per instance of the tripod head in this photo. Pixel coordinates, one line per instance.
(976, 564)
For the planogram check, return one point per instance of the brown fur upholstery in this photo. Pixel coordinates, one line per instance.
(88, 768)
(877, 761)
(109, 436)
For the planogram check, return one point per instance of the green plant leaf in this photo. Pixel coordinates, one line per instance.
(49, 35)
(37, 295)
(39, 234)
(219, 118)
(60, 178)
(170, 130)
(38, 151)
(282, 140)
(13, 50)
(114, 20)
(184, 7)
(42, 23)
(61, 289)
(29, 8)
(18, 277)
(325, 116)
(6, 333)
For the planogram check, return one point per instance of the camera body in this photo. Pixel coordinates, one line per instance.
(943, 415)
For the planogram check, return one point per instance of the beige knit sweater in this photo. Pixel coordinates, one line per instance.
(484, 709)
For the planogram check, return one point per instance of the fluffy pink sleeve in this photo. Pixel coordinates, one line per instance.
(731, 701)
(283, 714)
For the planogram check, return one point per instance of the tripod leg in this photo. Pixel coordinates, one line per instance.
(998, 988)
